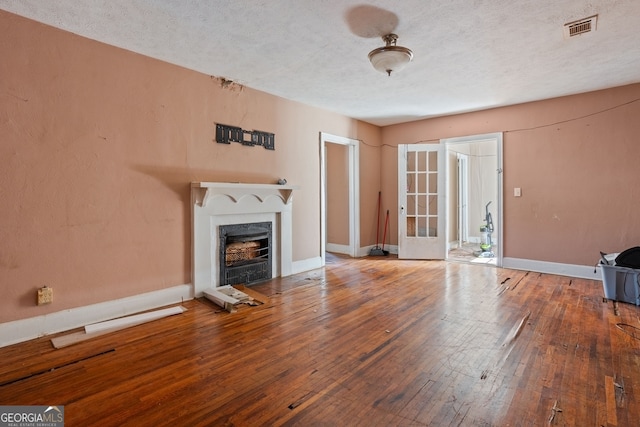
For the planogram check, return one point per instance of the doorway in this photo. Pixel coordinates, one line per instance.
(339, 195)
(474, 188)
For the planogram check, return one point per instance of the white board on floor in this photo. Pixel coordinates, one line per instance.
(102, 328)
(137, 319)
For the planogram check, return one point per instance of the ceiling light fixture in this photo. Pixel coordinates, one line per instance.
(390, 58)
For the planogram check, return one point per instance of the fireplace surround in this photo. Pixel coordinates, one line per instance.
(215, 204)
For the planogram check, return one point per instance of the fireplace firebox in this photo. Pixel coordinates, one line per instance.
(245, 253)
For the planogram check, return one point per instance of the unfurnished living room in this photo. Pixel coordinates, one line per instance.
(335, 213)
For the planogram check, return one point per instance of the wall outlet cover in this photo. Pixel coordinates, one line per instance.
(45, 295)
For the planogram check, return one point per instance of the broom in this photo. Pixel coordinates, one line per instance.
(376, 250)
(386, 221)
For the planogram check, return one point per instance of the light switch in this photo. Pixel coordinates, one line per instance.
(517, 192)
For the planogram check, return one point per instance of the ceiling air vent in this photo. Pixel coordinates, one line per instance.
(581, 26)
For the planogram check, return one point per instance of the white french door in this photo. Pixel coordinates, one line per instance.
(421, 201)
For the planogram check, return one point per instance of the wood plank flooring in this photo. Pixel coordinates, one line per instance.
(375, 341)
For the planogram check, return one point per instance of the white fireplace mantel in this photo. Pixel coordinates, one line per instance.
(205, 190)
(221, 203)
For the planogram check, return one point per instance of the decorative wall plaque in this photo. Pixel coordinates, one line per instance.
(227, 134)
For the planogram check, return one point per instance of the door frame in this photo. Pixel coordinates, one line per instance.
(354, 192)
(463, 197)
(498, 137)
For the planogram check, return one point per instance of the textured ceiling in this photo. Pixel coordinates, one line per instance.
(468, 54)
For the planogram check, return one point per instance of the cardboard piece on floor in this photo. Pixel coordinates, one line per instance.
(226, 296)
(76, 337)
(229, 297)
(102, 328)
(255, 295)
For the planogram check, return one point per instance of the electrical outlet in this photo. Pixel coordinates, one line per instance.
(45, 295)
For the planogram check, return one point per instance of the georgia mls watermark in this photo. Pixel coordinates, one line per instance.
(31, 416)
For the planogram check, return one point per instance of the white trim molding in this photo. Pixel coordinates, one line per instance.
(366, 250)
(353, 146)
(571, 270)
(338, 249)
(60, 321)
(306, 265)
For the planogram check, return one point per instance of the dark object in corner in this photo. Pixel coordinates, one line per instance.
(384, 236)
(376, 250)
(629, 258)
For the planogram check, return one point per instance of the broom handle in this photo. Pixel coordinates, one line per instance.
(378, 222)
(386, 221)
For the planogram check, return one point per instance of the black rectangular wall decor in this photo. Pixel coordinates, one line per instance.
(228, 134)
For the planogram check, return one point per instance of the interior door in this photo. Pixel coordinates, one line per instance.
(422, 201)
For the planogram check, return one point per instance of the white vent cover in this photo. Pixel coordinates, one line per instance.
(581, 26)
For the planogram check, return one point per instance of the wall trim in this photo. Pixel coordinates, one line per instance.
(364, 251)
(571, 270)
(34, 327)
(339, 249)
(353, 146)
(307, 265)
(26, 329)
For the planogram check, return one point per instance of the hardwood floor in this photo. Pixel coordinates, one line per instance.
(372, 341)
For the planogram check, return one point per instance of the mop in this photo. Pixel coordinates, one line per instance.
(376, 250)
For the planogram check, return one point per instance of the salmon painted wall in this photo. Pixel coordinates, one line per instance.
(371, 152)
(337, 160)
(576, 160)
(98, 148)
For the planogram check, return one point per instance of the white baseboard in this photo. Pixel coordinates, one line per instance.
(306, 265)
(393, 249)
(34, 327)
(571, 270)
(364, 251)
(338, 249)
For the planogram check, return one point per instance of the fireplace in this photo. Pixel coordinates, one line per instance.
(244, 253)
(216, 205)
